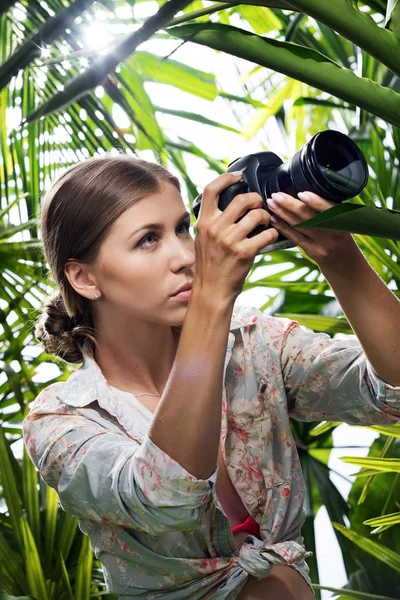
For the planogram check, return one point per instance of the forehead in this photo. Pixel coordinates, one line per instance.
(163, 206)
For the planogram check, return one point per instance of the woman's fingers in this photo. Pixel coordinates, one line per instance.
(287, 211)
(293, 210)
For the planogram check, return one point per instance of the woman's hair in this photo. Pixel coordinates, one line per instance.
(76, 214)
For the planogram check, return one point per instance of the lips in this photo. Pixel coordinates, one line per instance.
(187, 286)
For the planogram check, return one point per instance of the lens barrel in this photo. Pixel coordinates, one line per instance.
(330, 165)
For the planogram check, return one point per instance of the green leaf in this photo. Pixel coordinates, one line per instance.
(390, 558)
(391, 5)
(171, 72)
(385, 465)
(352, 593)
(84, 570)
(195, 117)
(354, 25)
(46, 33)
(319, 322)
(10, 490)
(66, 578)
(69, 526)
(50, 523)
(324, 103)
(138, 107)
(31, 496)
(94, 75)
(394, 21)
(261, 19)
(323, 427)
(392, 519)
(298, 62)
(5, 596)
(275, 102)
(11, 565)
(392, 430)
(357, 218)
(382, 497)
(34, 571)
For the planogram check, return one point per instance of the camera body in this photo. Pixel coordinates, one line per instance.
(330, 165)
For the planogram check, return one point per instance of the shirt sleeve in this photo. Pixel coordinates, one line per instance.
(106, 476)
(328, 379)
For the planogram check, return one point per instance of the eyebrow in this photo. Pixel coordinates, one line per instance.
(156, 226)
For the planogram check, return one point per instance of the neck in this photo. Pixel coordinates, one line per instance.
(138, 371)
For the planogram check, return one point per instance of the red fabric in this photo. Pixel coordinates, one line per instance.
(249, 525)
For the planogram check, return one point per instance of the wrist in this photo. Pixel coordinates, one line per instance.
(217, 302)
(346, 262)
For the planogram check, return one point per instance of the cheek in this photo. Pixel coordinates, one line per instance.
(116, 267)
(127, 271)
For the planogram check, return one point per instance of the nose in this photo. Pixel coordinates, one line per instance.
(182, 254)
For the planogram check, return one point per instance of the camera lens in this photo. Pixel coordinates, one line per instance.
(340, 164)
(330, 165)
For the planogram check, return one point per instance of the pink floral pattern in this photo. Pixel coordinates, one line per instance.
(160, 532)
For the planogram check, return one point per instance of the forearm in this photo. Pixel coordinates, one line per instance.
(187, 422)
(283, 582)
(372, 310)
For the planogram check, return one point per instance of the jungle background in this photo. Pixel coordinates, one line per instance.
(192, 85)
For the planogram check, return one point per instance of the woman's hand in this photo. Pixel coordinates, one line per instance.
(322, 246)
(224, 253)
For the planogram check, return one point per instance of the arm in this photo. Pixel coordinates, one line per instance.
(328, 379)
(370, 307)
(101, 474)
(187, 422)
(372, 310)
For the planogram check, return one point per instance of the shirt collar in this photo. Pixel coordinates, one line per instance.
(88, 383)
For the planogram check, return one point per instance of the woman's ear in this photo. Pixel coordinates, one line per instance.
(81, 278)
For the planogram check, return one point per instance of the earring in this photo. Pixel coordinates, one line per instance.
(95, 295)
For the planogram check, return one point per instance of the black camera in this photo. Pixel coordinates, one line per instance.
(330, 164)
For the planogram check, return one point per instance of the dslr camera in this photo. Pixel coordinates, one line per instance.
(330, 164)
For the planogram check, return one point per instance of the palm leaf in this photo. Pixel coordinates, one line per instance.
(355, 218)
(45, 34)
(298, 62)
(95, 74)
(390, 558)
(352, 593)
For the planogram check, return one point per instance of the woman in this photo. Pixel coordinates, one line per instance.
(176, 427)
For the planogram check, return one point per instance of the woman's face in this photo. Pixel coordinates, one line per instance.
(139, 271)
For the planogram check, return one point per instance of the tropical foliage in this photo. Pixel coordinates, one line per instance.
(303, 66)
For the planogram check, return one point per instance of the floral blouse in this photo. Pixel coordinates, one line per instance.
(159, 531)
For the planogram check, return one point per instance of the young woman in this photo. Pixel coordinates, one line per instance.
(171, 444)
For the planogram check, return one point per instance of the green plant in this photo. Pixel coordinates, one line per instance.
(308, 65)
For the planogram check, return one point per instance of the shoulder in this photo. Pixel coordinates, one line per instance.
(48, 400)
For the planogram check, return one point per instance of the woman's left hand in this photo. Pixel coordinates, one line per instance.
(322, 246)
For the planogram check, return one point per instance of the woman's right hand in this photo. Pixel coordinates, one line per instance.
(224, 254)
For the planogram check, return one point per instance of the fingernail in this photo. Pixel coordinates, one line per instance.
(236, 173)
(277, 197)
(273, 219)
(304, 197)
(272, 204)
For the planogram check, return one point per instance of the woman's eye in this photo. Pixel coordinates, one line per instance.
(143, 244)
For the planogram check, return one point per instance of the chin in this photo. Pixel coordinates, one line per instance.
(180, 321)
